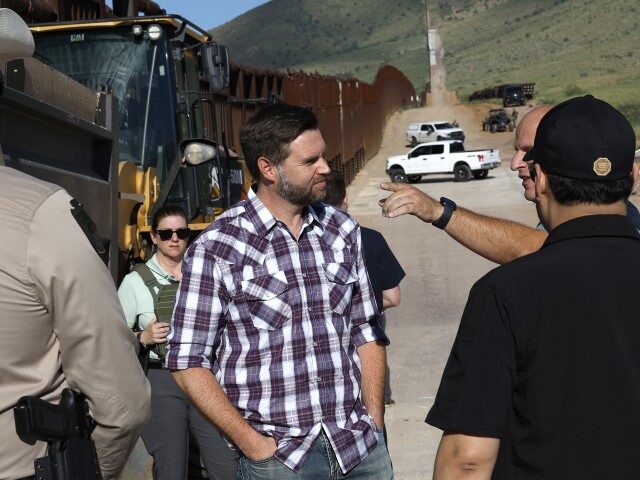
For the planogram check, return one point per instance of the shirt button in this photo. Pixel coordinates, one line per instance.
(315, 344)
(304, 275)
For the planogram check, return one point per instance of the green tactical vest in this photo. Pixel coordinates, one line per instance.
(162, 301)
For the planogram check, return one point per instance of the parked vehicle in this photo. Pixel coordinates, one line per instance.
(513, 95)
(442, 157)
(497, 120)
(431, 131)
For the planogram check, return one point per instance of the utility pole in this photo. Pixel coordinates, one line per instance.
(427, 24)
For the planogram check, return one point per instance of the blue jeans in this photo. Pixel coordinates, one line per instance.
(321, 464)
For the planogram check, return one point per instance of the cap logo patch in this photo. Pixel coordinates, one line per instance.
(602, 167)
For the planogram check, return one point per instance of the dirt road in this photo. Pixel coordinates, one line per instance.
(440, 273)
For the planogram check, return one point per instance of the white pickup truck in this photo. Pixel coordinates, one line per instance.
(432, 131)
(442, 157)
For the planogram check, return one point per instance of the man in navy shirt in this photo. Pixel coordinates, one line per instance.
(385, 272)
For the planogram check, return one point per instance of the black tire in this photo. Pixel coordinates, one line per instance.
(414, 141)
(494, 128)
(414, 178)
(397, 175)
(480, 174)
(462, 173)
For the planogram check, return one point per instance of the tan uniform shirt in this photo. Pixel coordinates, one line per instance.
(61, 325)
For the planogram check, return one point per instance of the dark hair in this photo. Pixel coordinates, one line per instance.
(569, 191)
(270, 131)
(167, 211)
(336, 189)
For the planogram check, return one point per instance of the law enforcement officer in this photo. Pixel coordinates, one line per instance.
(61, 326)
(543, 379)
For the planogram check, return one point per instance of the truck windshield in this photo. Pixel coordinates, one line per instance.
(137, 71)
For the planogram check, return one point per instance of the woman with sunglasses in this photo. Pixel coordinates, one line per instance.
(147, 295)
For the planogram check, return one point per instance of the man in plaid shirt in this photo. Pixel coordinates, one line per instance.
(274, 336)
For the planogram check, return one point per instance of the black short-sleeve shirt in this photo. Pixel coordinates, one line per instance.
(383, 267)
(547, 357)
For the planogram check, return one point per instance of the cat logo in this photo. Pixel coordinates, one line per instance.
(77, 37)
(602, 167)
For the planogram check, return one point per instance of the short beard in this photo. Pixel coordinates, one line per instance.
(295, 194)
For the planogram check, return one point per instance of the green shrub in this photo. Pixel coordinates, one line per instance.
(572, 90)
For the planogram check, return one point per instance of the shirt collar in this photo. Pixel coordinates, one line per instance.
(155, 266)
(593, 226)
(264, 220)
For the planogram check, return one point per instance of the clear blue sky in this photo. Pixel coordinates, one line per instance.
(207, 13)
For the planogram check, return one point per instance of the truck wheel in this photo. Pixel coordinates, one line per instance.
(414, 141)
(494, 128)
(480, 174)
(398, 176)
(462, 173)
(414, 178)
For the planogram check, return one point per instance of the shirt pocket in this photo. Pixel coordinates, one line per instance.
(267, 300)
(341, 280)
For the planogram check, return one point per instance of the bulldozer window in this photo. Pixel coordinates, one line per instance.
(136, 70)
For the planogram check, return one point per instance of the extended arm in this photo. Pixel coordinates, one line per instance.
(495, 239)
(465, 457)
(373, 361)
(205, 392)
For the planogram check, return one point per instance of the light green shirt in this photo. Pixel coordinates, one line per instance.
(136, 299)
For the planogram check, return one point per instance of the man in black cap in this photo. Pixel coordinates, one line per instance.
(543, 381)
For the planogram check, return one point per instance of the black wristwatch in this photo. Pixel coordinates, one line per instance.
(449, 207)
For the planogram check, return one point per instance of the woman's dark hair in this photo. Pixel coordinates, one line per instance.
(270, 131)
(568, 191)
(167, 211)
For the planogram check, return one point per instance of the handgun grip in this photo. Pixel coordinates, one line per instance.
(37, 419)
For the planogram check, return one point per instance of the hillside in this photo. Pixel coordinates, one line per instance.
(566, 46)
(331, 36)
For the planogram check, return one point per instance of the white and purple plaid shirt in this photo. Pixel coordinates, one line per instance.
(282, 319)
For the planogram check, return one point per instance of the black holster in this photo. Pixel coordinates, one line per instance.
(67, 427)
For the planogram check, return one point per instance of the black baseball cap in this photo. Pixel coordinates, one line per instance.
(584, 138)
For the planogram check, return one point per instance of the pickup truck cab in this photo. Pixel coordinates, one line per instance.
(442, 157)
(432, 131)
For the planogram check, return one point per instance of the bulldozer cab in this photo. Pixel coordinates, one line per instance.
(169, 79)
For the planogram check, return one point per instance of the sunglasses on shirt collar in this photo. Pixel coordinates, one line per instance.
(166, 234)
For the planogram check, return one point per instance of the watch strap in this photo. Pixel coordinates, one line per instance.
(449, 207)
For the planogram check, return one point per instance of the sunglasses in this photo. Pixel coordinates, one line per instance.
(166, 234)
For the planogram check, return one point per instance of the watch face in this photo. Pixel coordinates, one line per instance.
(445, 202)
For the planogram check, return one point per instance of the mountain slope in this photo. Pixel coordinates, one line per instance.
(567, 47)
